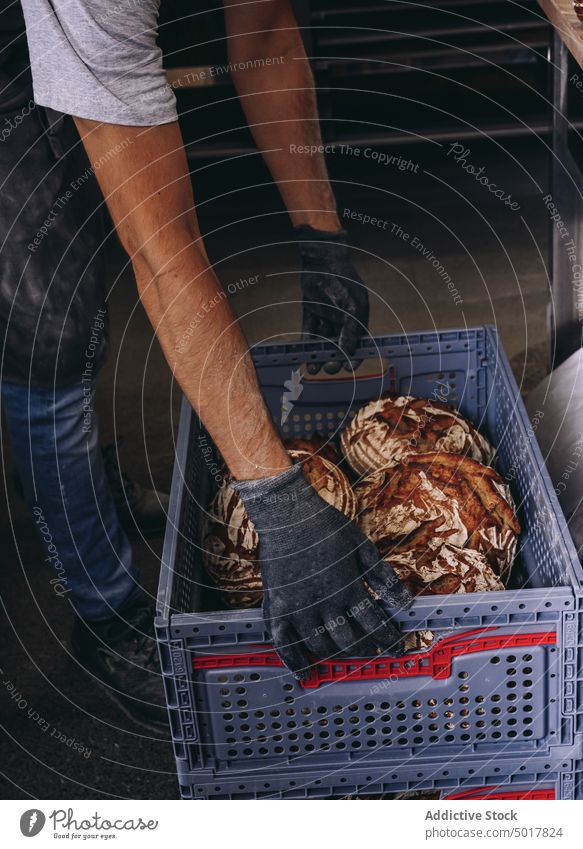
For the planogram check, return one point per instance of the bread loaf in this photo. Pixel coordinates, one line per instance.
(436, 498)
(386, 431)
(230, 545)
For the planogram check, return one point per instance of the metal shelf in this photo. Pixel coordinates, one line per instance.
(412, 50)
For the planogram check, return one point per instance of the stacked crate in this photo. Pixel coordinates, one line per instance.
(492, 704)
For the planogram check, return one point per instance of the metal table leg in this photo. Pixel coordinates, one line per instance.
(566, 259)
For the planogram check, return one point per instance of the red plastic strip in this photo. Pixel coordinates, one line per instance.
(225, 661)
(497, 793)
(434, 663)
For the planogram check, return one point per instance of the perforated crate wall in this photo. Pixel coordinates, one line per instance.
(249, 712)
(507, 777)
(523, 468)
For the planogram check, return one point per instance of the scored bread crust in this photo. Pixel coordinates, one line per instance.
(385, 431)
(329, 481)
(445, 569)
(417, 640)
(230, 543)
(435, 498)
(315, 444)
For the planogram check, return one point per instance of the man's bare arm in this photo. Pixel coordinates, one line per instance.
(144, 178)
(275, 84)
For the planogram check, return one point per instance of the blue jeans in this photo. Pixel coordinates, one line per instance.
(55, 438)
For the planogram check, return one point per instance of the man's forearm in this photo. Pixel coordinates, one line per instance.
(144, 178)
(274, 81)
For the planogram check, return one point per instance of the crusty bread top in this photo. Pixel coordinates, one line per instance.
(439, 496)
(385, 431)
(315, 444)
(445, 569)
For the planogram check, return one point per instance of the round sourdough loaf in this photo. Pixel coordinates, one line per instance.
(435, 498)
(384, 432)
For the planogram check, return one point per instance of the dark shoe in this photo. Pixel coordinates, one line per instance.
(121, 653)
(142, 512)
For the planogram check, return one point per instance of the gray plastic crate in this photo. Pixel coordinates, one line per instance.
(514, 678)
(533, 778)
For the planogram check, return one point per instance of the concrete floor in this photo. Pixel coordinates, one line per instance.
(496, 259)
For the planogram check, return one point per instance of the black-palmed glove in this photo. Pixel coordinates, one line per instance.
(335, 298)
(314, 563)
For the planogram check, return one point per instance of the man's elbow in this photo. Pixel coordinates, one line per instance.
(158, 268)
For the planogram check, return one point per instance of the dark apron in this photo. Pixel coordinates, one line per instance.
(52, 276)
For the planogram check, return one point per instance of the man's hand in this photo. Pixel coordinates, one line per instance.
(335, 298)
(314, 564)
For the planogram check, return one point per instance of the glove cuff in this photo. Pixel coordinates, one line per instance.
(267, 500)
(305, 233)
(321, 245)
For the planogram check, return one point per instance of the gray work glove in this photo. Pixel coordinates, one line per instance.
(335, 300)
(314, 563)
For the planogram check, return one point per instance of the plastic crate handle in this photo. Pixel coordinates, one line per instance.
(487, 793)
(434, 663)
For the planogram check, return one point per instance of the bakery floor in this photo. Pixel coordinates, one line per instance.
(495, 257)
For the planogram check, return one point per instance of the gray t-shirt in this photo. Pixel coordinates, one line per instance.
(98, 59)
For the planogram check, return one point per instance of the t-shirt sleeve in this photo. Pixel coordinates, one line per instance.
(99, 59)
